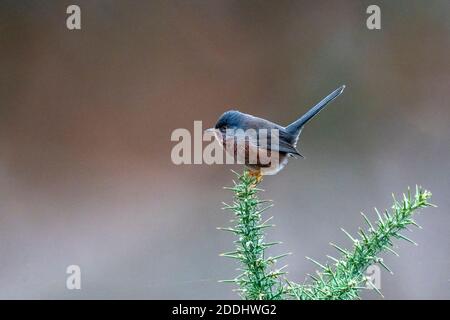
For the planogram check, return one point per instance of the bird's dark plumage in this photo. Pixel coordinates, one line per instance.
(257, 133)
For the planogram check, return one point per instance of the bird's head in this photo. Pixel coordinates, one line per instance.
(228, 125)
(230, 120)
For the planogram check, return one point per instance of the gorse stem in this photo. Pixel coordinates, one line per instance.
(342, 280)
(258, 279)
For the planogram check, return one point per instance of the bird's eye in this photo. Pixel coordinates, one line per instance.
(223, 128)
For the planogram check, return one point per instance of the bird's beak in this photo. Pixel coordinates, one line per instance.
(210, 130)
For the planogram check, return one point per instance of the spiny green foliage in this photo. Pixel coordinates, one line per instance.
(258, 280)
(343, 279)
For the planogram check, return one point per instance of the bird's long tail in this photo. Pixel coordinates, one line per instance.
(296, 127)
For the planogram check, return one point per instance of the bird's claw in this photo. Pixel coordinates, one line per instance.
(257, 175)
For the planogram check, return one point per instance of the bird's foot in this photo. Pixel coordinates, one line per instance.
(257, 175)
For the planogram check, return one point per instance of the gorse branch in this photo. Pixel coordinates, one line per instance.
(343, 279)
(258, 280)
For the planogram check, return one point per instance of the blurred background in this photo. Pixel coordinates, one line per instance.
(86, 117)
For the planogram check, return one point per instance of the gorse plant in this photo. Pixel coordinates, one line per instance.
(260, 279)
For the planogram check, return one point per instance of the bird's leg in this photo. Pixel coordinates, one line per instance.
(257, 175)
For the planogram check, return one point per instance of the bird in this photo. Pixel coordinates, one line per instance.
(246, 138)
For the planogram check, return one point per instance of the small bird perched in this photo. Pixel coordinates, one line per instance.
(247, 138)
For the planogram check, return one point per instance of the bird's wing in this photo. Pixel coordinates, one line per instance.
(282, 143)
(285, 142)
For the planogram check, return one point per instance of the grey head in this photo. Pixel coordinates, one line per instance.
(231, 119)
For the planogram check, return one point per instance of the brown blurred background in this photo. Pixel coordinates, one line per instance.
(86, 118)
